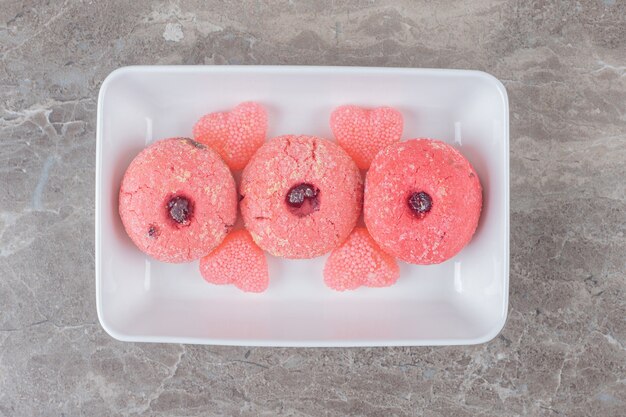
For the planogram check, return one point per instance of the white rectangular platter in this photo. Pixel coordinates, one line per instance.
(461, 301)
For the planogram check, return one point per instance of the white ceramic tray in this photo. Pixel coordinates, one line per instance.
(461, 301)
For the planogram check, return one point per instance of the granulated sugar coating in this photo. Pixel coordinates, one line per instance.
(238, 261)
(360, 262)
(422, 201)
(362, 132)
(235, 135)
(177, 200)
(302, 196)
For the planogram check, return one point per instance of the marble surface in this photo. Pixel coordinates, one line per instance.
(562, 352)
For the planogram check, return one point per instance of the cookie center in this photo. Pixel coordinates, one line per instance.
(420, 203)
(180, 209)
(303, 199)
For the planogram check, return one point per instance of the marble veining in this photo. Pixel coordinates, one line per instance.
(562, 351)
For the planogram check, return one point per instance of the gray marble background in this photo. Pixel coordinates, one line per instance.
(562, 352)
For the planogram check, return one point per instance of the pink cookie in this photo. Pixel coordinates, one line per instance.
(360, 262)
(422, 201)
(364, 132)
(301, 196)
(239, 261)
(235, 135)
(177, 200)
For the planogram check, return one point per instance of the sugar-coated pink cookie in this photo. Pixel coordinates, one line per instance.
(236, 134)
(178, 200)
(364, 132)
(238, 261)
(360, 262)
(422, 201)
(301, 196)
